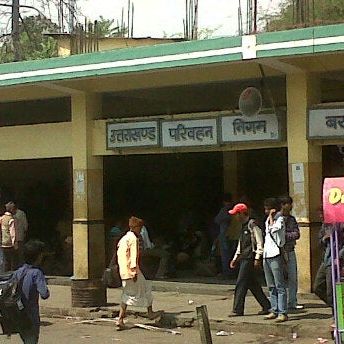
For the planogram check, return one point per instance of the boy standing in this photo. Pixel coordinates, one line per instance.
(273, 261)
(34, 284)
(249, 252)
(292, 233)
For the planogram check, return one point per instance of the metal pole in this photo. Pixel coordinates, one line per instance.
(203, 323)
(15, 30)
(255, 9)
(333, 244)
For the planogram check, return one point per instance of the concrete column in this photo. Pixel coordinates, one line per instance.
(230, 173)
(305, 173)
(88, 224)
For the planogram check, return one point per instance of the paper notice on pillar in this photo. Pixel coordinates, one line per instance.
(79, 184)
(299, 188)
(298, 173)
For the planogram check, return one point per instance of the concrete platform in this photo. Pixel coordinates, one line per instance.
(180, 310)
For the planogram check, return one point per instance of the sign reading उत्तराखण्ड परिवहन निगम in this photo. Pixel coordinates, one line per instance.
(262, 127)
(188, 133)
(325, 123)
(333, 200)
(132, 134)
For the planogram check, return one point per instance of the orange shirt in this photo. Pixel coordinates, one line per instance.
(127, 256)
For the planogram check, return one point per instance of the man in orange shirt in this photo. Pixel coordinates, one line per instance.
(137, 291)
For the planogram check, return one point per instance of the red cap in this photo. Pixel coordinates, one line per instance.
(239, 208)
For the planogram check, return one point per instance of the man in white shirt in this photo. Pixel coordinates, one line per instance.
(273, 261)
(22, 228)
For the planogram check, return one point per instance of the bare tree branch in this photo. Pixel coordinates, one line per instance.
(25, 6)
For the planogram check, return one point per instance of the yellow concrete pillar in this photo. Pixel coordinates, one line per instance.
(230, 173)
(305, 173)
(88, 224)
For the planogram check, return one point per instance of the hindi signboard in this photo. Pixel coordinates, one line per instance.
(325, 123)
(333, 200)
(195, 132)
(132, 134)
(263, 127)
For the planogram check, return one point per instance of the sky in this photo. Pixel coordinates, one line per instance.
(157, 18)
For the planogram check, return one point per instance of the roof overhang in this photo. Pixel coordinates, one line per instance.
(314, 49)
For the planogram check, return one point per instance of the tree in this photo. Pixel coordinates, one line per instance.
(107, 28)
(294, 13)
(33, 41)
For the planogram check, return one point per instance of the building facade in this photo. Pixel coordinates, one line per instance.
(89, 138)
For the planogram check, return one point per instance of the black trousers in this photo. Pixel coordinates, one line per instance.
(30, 335)
(248, 280)
(9, 259)
(323, 284)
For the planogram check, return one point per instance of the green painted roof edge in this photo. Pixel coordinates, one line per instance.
(122, 54)
(285, 36)
(301, 34)
(172, 55)
(121, 70)
(285, 52)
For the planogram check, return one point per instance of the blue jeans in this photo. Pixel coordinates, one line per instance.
(292, 280)
(276, 283)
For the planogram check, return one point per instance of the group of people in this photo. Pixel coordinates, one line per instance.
(14, 228)
(274, 248)
(269, 247)
(24, 260)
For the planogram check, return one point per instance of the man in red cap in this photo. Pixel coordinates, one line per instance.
(249, 253)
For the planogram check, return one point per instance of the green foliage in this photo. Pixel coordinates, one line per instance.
(108, 28)
(322, 12)
(34, 44)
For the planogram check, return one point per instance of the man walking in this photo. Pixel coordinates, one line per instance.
(33, 286)
(273, 261)
(137, 291)
(249, 253)
(292, 233)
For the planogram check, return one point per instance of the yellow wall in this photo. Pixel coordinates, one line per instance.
(64, 43)
(36, 141)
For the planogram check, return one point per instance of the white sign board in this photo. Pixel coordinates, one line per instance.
(263, 127)
(326, 123)
(132, 134)
(197, 132)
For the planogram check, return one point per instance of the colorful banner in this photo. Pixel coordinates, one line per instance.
(333, 200)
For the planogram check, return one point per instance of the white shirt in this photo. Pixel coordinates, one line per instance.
(274, 237)
(21, 224)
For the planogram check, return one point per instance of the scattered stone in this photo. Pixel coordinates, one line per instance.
(223, 333)
(322, 340)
